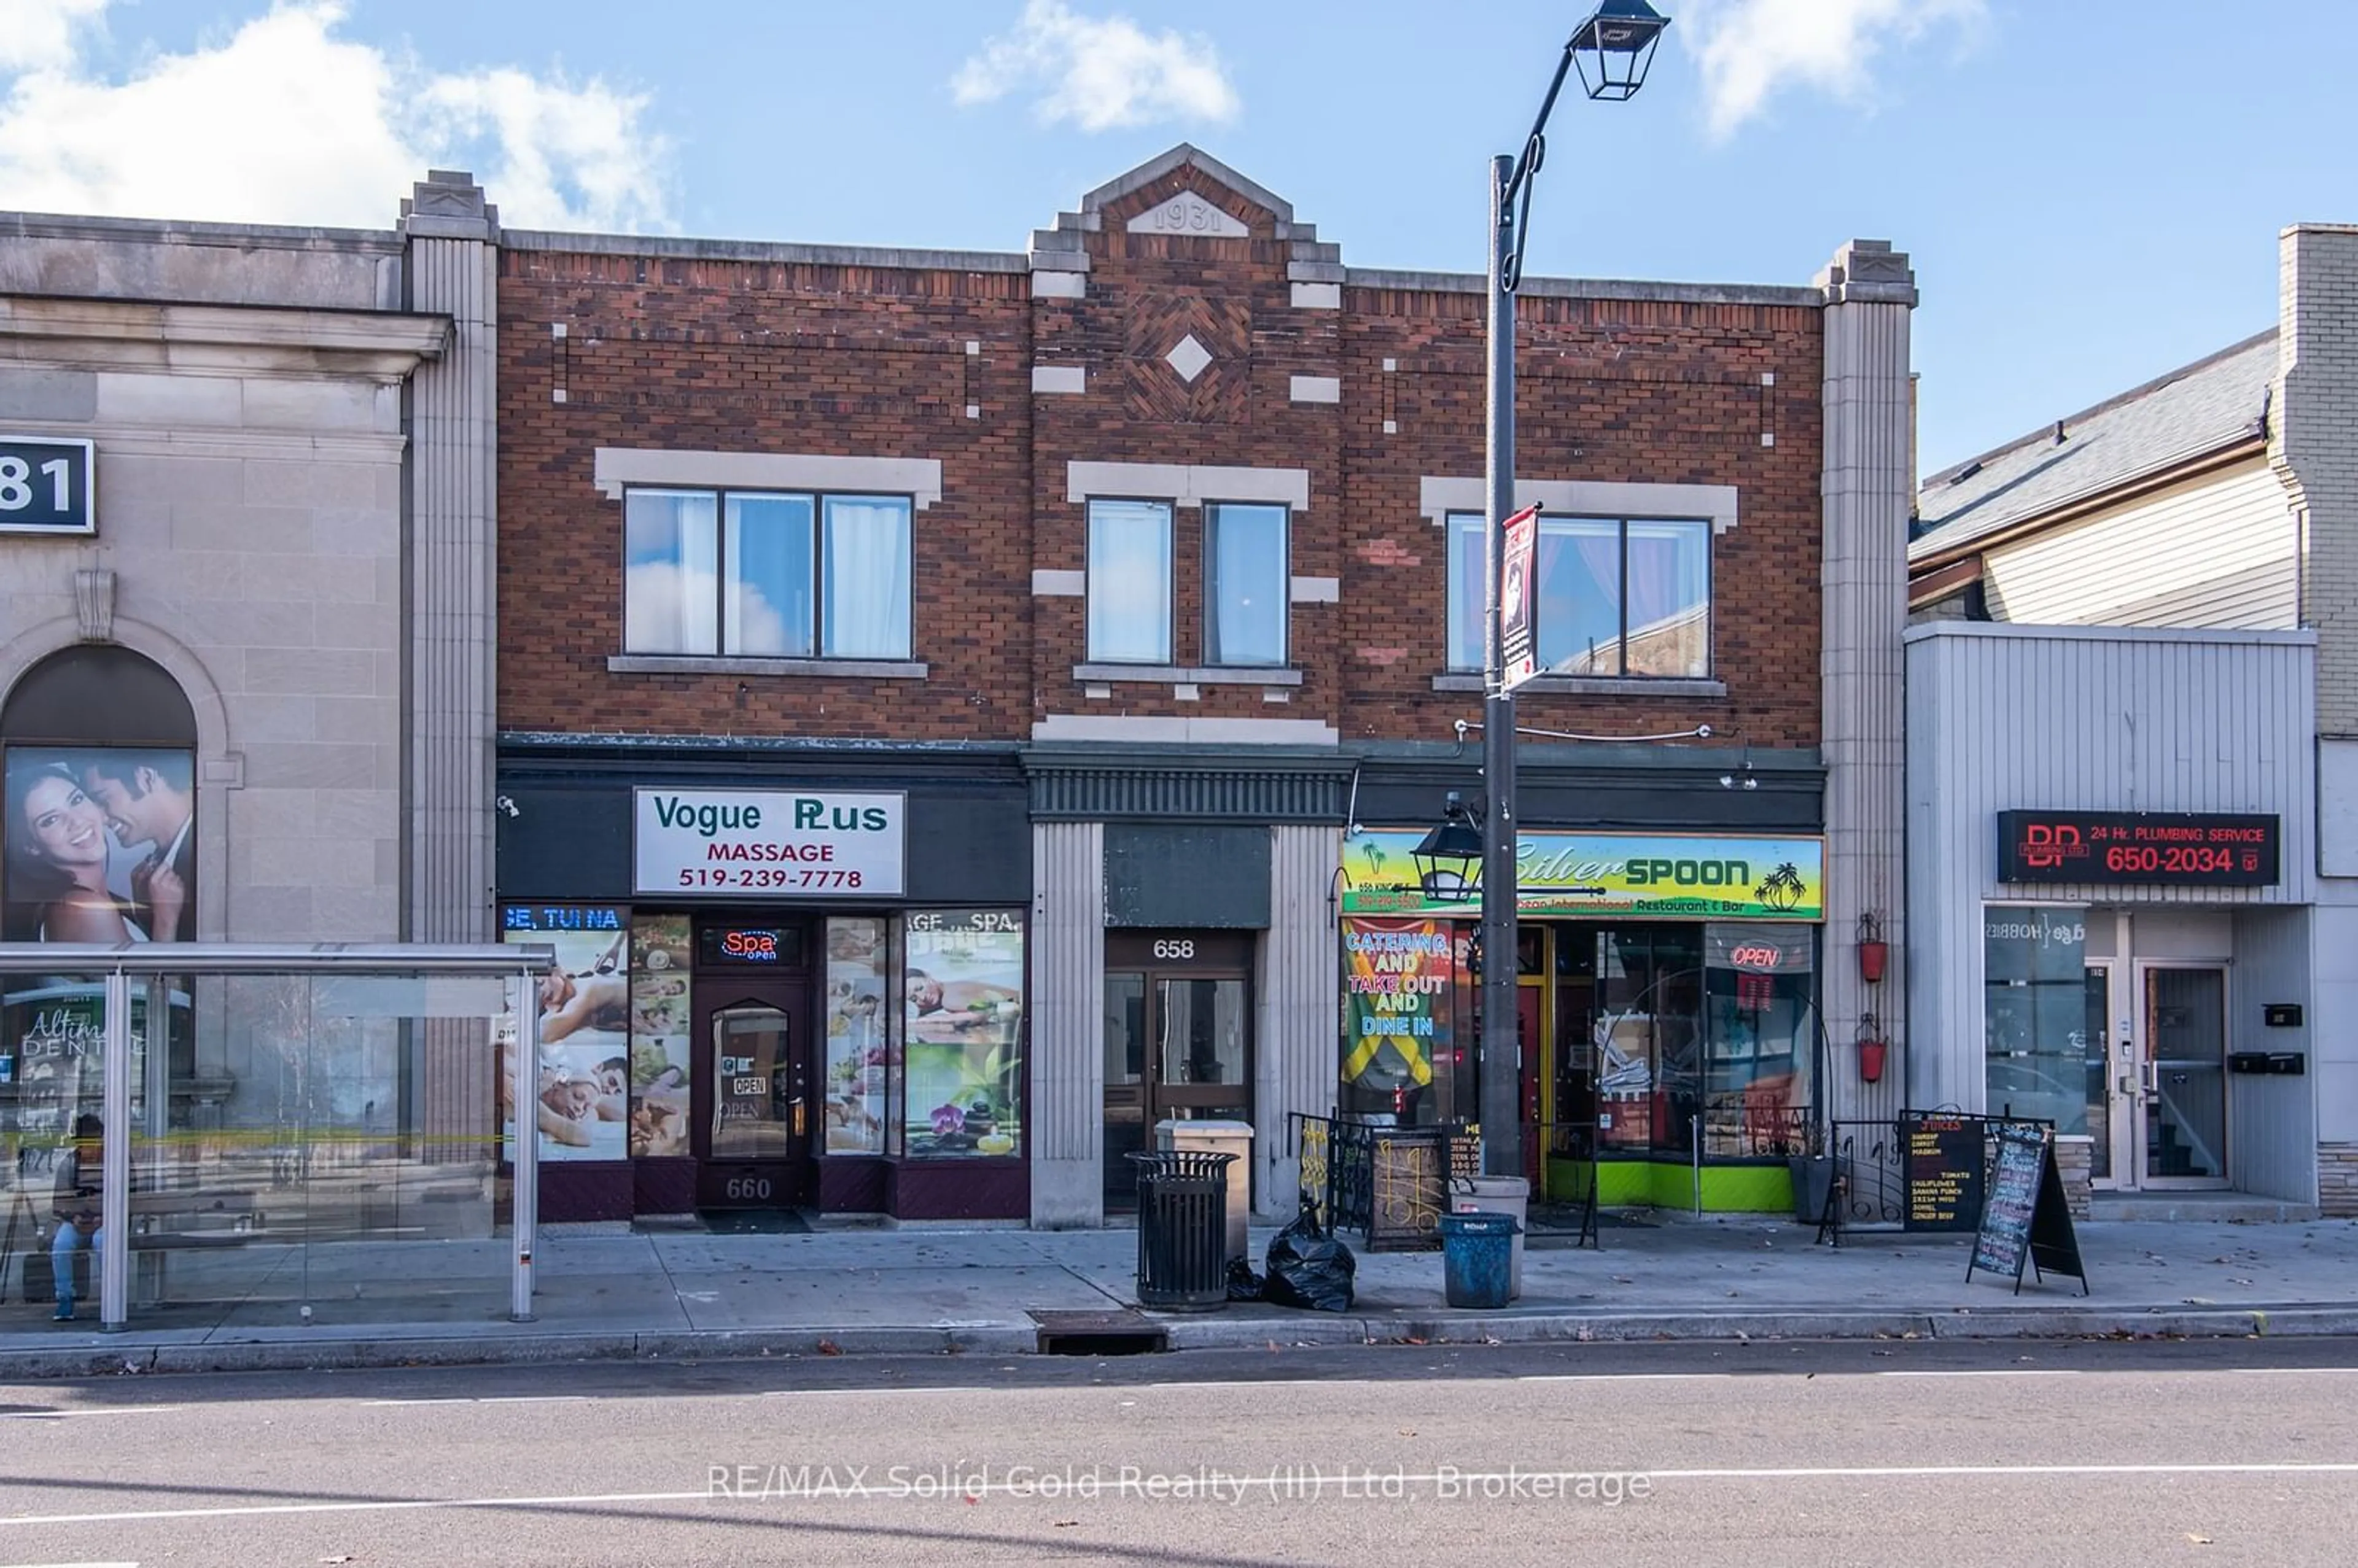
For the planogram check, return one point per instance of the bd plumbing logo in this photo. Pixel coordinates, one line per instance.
(1091, 1483)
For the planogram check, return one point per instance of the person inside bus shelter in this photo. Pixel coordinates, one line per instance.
(77, 1208)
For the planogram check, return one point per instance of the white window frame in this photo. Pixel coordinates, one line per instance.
(1454, 518)
(1092, 570)
(720, 655)
(1282, 587)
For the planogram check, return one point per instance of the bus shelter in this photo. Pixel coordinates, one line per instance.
(231, 1134)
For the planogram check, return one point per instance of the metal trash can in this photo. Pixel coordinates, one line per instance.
(1182, 1232)
(1509, 1195)
(1477, 1258)
(1213, 1137)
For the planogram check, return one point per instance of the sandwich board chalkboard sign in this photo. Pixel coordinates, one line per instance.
(1944, 1159)
(2024, 1216)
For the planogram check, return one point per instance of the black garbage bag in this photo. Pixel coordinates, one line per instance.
(1244, 1285)
(1308, 1268)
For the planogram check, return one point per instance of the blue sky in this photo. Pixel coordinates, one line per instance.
(2091, 190)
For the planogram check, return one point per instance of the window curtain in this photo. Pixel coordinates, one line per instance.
(1130, 581)
(1670, 599)
(1580, 596)
(670, 590)
(1465, 566)
(865, 553)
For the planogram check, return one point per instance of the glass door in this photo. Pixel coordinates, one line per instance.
(2111, 1076)
(1178, 1042)
(754, 1123)
(2182, 1105)
(1200, 1066)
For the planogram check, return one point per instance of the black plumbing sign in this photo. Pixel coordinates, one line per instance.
(2176, 848)
(45, 485)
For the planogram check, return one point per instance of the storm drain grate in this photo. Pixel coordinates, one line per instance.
(1099, 1334)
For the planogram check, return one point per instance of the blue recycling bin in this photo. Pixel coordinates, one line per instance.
(1477, 1256)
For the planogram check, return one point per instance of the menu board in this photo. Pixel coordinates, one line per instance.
(2024, 1216)
(1944, 1155)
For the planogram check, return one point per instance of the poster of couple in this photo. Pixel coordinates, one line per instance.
(101, 845)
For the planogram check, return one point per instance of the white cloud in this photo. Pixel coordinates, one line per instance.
(1749, 49)
(40, 32)
(1098, 74)
(285, 122)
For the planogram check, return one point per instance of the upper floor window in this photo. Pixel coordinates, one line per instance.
(1130, 582)
(1245, 583)
(1618, 597)
(766, 573)
(1133, 588)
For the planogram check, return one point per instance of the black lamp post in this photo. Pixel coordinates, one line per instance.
(1612, 50)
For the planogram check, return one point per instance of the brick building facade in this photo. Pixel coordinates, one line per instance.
(1119, 572)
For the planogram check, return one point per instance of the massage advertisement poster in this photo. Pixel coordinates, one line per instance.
(963, 1019)
(580, 1100)
(659, 1037)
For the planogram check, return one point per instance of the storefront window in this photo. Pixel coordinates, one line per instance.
(1650, 1038)
(1396, 993)
(858, 1054)
(660, 953)
(2035, 1012)
(1761, 1032)
(581, 1099)
(963, 1026)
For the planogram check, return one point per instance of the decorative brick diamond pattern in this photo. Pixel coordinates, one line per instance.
(1189, 358)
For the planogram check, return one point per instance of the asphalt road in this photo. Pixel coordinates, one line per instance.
(1898, 1454)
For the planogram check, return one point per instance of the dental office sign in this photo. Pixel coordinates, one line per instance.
(779, 843)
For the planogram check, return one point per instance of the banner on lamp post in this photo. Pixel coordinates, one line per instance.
(1518, 601)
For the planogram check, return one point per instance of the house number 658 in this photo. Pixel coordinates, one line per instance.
(1174, 950)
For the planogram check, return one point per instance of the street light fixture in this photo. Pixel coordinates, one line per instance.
(1612, 50)
(1445, 857)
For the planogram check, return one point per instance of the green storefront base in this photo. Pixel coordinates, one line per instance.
(1763, 1188)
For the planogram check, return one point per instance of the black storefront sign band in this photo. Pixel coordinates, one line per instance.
(2024, 1216)
(2148, 848)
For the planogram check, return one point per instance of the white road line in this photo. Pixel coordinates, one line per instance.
(67, 1415)
(73, 1565)
(1888, 1472)
(1979, 1372)
(1283, 1481)
(871, 1393)
(395, 1505)
(489, 1399)
(1634, 1376)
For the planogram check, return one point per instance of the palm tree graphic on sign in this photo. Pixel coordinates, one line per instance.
(1781, 890)
(1374, 859)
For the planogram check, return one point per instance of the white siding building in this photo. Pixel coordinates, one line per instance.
(2169, 584)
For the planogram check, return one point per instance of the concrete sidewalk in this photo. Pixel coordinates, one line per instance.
(695, 1295)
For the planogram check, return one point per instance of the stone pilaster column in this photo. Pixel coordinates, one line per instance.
(1868, 491)
(450, 560)
(1066, 1126)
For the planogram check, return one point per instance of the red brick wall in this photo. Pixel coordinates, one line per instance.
(1611, 391)
(739, 355)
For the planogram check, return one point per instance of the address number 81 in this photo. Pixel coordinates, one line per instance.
(1174, 950)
